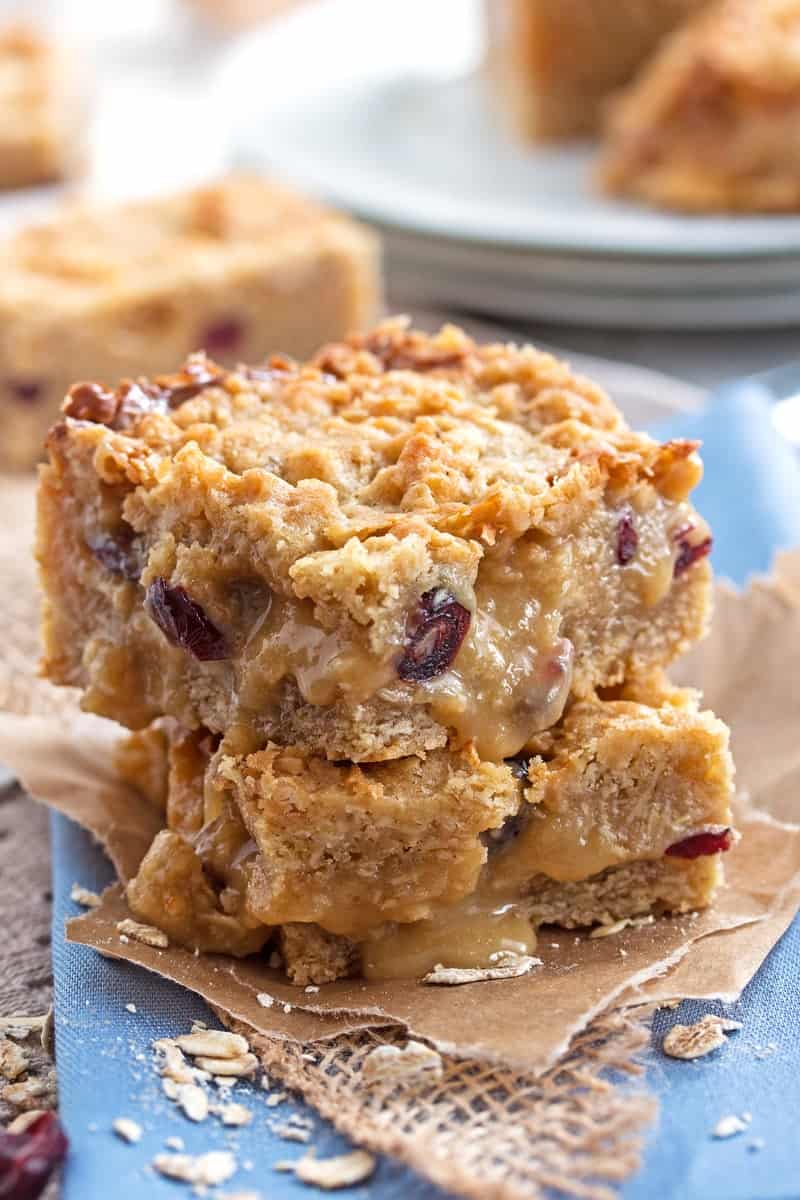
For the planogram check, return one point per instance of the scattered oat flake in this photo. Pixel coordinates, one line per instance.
(507, 966)
(174, 1065)
(265, 1000)
(212, 1043)
(311, 989)
(287, 1008)
(276, 1098)
(291, 1133)
(127, 1129)
(234, 1114)
(23, 1121)
(217, 1166)
(694, 1041)
(731, 1125)
(240, 1067)
(413, 1063)
(123, 937)
(174, 1143)
(148, 935)
(84, 896)
(345, 1170)
(13, 1060)
(193, 1100)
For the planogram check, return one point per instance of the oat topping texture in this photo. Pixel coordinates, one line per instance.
(389, 628)
(240, 268)
(711, 124)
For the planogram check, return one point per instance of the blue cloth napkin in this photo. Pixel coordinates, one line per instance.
(751, 494)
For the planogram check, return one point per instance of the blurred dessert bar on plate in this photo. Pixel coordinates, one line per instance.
(553, 63)
(42, 110)
(713, 123)
(241, 268)
(402, 612)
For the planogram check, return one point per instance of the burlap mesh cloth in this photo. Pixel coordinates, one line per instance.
(483, 1131)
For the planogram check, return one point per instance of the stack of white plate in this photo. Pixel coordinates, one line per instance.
(380, 107)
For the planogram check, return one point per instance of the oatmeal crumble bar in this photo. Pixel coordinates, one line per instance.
(712, 124)
(42, 113)
(390, 626)
(621, 810)
(553, 63)
(408, 542)
(240, 268)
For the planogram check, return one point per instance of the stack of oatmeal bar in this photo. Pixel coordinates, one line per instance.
(391, 627)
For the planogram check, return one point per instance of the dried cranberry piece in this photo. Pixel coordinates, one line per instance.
(90, 402)
(223, 337)
(25, 391)
(184, 622)
(689, 554)
(627, 539)
(27, 1160)
(434, 633)
(117, 552)
(697, 845)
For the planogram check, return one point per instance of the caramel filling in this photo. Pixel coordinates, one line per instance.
(465, 935)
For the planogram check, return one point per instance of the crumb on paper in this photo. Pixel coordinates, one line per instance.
(413, 1063)
(130, 1007)
(694, 1041)
(265, 1000)
(84, 896)
(208, 1170)
(604, 931)
(731, 1125)
(342, 1171)
(13, 1060)
(148, 935)
(506, 965)
(311, 989)
(193, 1101)
(212, 1043)
(174, 1143)
(127, 1129)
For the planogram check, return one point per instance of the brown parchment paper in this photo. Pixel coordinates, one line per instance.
(747, 669)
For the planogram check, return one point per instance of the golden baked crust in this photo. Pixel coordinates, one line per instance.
(417, 536)
(553, 63)
(241, 267)
(712, 123)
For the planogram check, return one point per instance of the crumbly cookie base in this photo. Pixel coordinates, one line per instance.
(312, 956)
